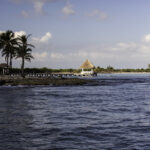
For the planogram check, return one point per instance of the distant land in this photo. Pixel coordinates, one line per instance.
(109, 69)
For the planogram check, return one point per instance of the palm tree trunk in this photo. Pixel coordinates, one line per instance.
(22, 68)
(7, 61)
(10, 61)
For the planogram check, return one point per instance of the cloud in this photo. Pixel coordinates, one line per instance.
(56, 55)
(46, 56)
(17, 33)
(121, 46)
(68, 10)
(43, 39)
(99, 15)
(147, 38)
(40, 56)
(38, 6)
(25, 14)
(119, 55)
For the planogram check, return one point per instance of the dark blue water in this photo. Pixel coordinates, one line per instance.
(113, 115)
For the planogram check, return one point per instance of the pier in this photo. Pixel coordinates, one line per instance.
(46, 75)
(49, 75)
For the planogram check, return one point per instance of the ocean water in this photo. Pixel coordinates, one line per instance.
(113, 115)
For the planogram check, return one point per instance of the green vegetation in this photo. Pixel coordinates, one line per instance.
(42, 70)
(12, 47)
(8, 45)
(97, 70)
(110, 69)
(24, 51)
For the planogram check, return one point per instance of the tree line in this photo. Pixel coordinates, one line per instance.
(13, 47)
(96, 69)
(111, 69)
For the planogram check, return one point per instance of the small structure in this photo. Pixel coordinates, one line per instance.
(4, 68)
(87, 68)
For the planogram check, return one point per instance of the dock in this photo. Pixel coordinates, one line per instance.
(51, 75)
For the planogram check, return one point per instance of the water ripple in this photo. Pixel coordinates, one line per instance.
(113, 115)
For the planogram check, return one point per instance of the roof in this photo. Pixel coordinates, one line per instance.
(3, 65)
(87, 65)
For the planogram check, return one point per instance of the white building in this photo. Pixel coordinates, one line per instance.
(87, 68)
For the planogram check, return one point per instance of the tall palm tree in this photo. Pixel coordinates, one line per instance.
(0, 41)
(8, 45)
(24, 51)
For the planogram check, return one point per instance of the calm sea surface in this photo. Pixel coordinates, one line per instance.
(113, 115)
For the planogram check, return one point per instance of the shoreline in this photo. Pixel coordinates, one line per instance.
(124, 73)
(7, 80)
(45, 81)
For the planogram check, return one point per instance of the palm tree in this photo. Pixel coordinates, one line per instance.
(8, 45)
(24, 51)
(1, 46)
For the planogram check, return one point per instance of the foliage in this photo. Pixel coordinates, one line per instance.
(15, 47)
(8, 45)
(24, 51)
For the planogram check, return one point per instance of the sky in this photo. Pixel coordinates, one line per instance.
(67, 32)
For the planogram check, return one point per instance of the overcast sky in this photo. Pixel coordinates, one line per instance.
(66, 32)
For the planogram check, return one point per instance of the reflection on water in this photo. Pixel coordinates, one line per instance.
(113, 115)
(14, 118)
